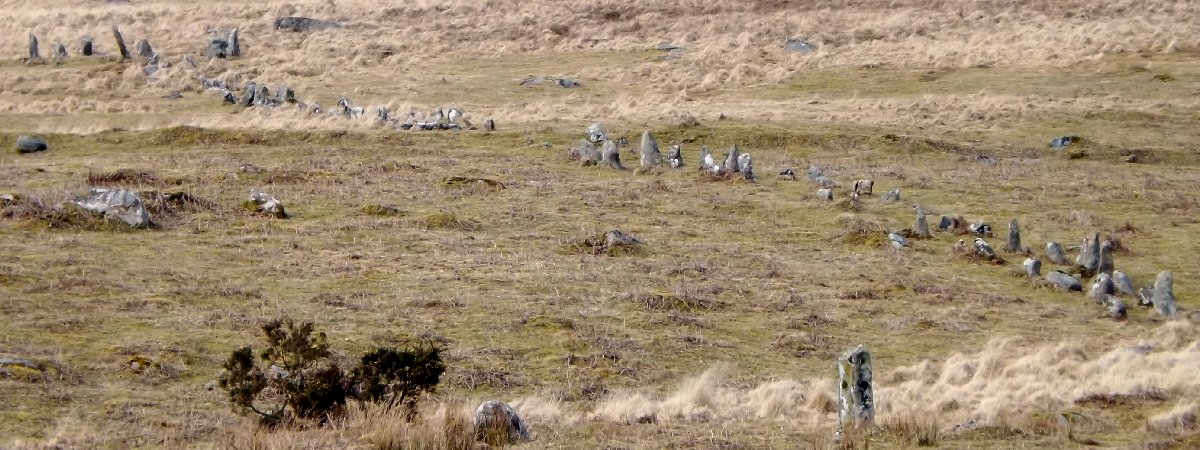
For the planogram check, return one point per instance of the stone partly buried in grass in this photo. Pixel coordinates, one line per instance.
(468, 181)
(265, 203)
(612, 243)
(27, 144)
(116, 205)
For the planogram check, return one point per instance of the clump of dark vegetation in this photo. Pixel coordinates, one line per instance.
(612, 243)
(469, 181)
(66, 216)
(297, 377)
(446, 220)
(122, 177)
(381, 210)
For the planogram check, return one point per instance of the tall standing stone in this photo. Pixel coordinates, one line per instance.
(1033, 267)
(675, 156)
(1014, 236)
(611, 155)
(731, 160)
(651, 156)
(235, 44)
(144, 49)
(60, 53)
(1105, 260)
(1055, 253)
(746, 164)
(1123, 283)
(856, 399)
(1102, 288)
(1089, 253)
(1164, 295)
(34, 55)
(921, 227)
(85, 46)
(120, 43)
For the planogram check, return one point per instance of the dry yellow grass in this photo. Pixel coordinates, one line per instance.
(721, 332)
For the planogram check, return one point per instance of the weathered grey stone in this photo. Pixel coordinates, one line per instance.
(228, 97)
(856, 399)
(489, 125)
(618, 238)
(119, 204)
(60, 53)
(746, 164)
(1123, 284)
(825, 194)
(34, 53)
(124, 51)
(285, 94)
(946, 223)
(1164, 295)
(1116, 307)
(980, 228)
(675, 156)
(382, 113)
(217, 48)
(731, 160)
(825, 182)
(85, 46)
(265, 203)
(651, 156)
(1102, 287)
(1105, 263)
(1014, 237)
(707, 162)
(596, 134)
(898, 241)
(144, 50)
(495, 417)
(28, 144)
(566, 83)
(921, 226)
(864, 187)
(1033, 267)
(984, 250)
(299, 24)
(587, 153)
(1146, 297)
(1055, 253)
(1089, 253)
(1064, 281)
(235, 44)
(248, 93)
(815, 172)
(891, 196)
(610, 154)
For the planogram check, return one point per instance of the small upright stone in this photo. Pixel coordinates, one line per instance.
(265, 203)
(825, 194)
(1123, 284)
(921, 226)
(746, 164)
(1102, 288)
(1033, 267)
(489, 125)
(651, 156)
(235, 44)
(731, 160)
(60, 53)
(707, 162)
(1089, 253)
(1116, 308)
(1164, 295)
(596, 134)
(864, 187)
(85, 46)
(587, 153)
(611, 155)
(1105, 260)
(144, 50)
(285, 94)
(34, 53)
(1055, 253)
(1014, 237)
(675, 156)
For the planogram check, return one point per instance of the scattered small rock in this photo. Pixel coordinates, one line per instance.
(264, 203)
(118, 204)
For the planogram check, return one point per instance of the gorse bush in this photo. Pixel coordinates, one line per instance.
(296, 376)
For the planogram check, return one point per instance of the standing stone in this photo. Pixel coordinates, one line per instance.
(235, 44)
(1014, 237)
(1123, 284)
(707, 162)
(494, 418)
(85, 46)
(1102, 287)
(825, 194)
(265, 203)
(596, 134)
(587, 153)
(120, 43)
(1089, 253)
(60, 53)
(731, 160)
(611, 155)
(1064, 280)
(1033, 267)
(651, 156)
(120, 204)
(217, 48)
(864, 187)
(1146, 297)
(856, 399)
(921, 227)
(1055, 253)
(1164, 295)
(489, 125)
(675, 156)
(248, 93)
(34, 55)
(144, 50)
(746, 164)
(285, 94)
(1105, 263)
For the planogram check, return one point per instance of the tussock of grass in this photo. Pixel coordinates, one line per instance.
(122, 177)
(446, 220)
(459, 182)
(381, 210)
